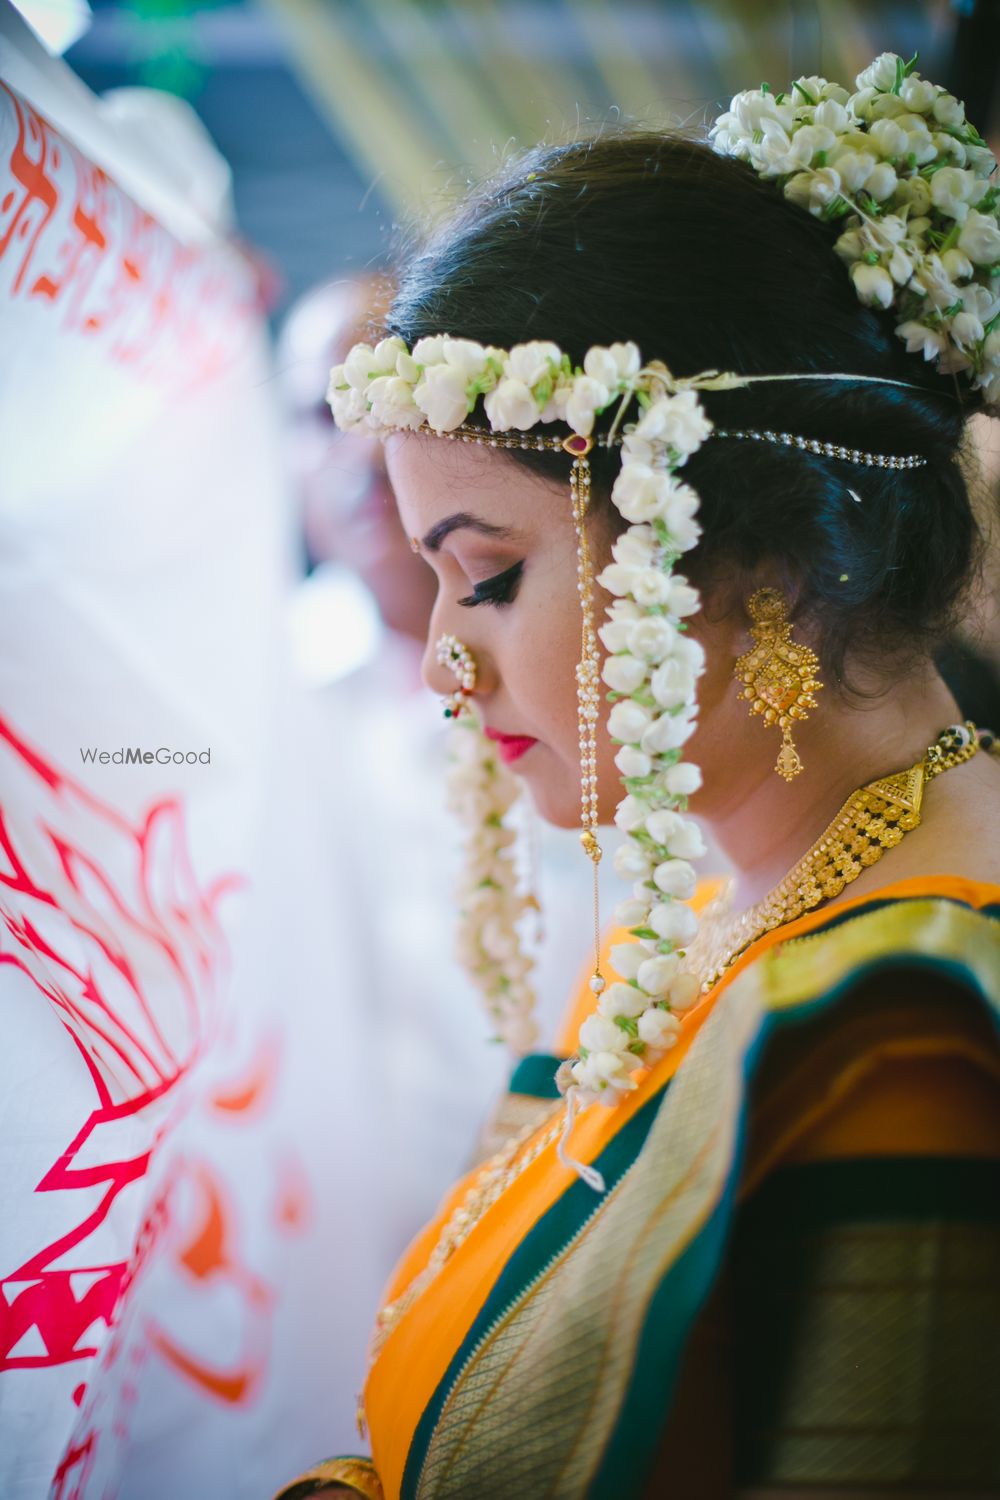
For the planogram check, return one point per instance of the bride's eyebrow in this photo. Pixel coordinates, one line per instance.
(464, 519)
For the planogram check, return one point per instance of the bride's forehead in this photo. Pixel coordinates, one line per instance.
(438, 452)
(429, 470)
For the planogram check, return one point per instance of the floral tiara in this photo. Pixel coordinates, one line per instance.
(659, 421)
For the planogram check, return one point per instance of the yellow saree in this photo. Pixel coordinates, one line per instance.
(837, 1089)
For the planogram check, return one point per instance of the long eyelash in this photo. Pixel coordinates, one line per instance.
(499, 590)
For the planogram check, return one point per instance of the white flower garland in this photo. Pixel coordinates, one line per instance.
(480, 791)
(898, 160)
(652, 671)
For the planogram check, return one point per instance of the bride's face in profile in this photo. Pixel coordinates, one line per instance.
(502, 545)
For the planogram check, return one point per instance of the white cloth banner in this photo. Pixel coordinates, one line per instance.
(144, 569)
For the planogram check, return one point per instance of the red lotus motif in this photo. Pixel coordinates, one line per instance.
(111, 925)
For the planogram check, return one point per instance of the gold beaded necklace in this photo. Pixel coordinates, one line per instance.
(873, 819)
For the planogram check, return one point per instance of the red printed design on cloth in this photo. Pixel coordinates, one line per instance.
(71, 240)
(130, 953)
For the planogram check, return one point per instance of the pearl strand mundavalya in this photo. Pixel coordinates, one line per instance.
(588, 674)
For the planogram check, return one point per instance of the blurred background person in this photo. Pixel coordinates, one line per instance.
(345, 501)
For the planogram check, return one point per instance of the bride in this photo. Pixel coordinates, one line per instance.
(745, 1237)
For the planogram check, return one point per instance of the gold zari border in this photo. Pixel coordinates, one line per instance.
(920, 926)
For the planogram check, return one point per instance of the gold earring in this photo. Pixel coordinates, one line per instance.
(779, 674)
(454, 654)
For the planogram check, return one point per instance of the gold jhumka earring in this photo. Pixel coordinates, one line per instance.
(779, 674)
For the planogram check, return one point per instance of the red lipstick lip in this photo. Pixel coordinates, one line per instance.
(510, 746)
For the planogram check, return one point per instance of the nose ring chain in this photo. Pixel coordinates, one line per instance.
(458, 658)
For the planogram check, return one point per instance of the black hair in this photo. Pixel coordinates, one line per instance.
(652, 237)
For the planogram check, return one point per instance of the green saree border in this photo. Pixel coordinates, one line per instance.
(784, 974)
(535, 1075)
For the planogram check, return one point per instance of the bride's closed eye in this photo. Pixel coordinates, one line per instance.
(499, 590)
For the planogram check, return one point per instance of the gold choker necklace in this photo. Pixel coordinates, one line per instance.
(873, 819)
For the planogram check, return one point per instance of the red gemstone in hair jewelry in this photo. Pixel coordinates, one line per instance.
(577, 444)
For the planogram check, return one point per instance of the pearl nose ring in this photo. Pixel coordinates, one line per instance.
(452, 653)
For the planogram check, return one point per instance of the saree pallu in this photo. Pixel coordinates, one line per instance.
(802, 1202)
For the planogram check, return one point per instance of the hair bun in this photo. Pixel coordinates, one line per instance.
(900, 164)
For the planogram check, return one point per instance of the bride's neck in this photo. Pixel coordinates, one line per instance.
(772, 824)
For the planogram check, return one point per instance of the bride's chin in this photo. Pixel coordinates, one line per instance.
(551, 803)
(555, 808)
